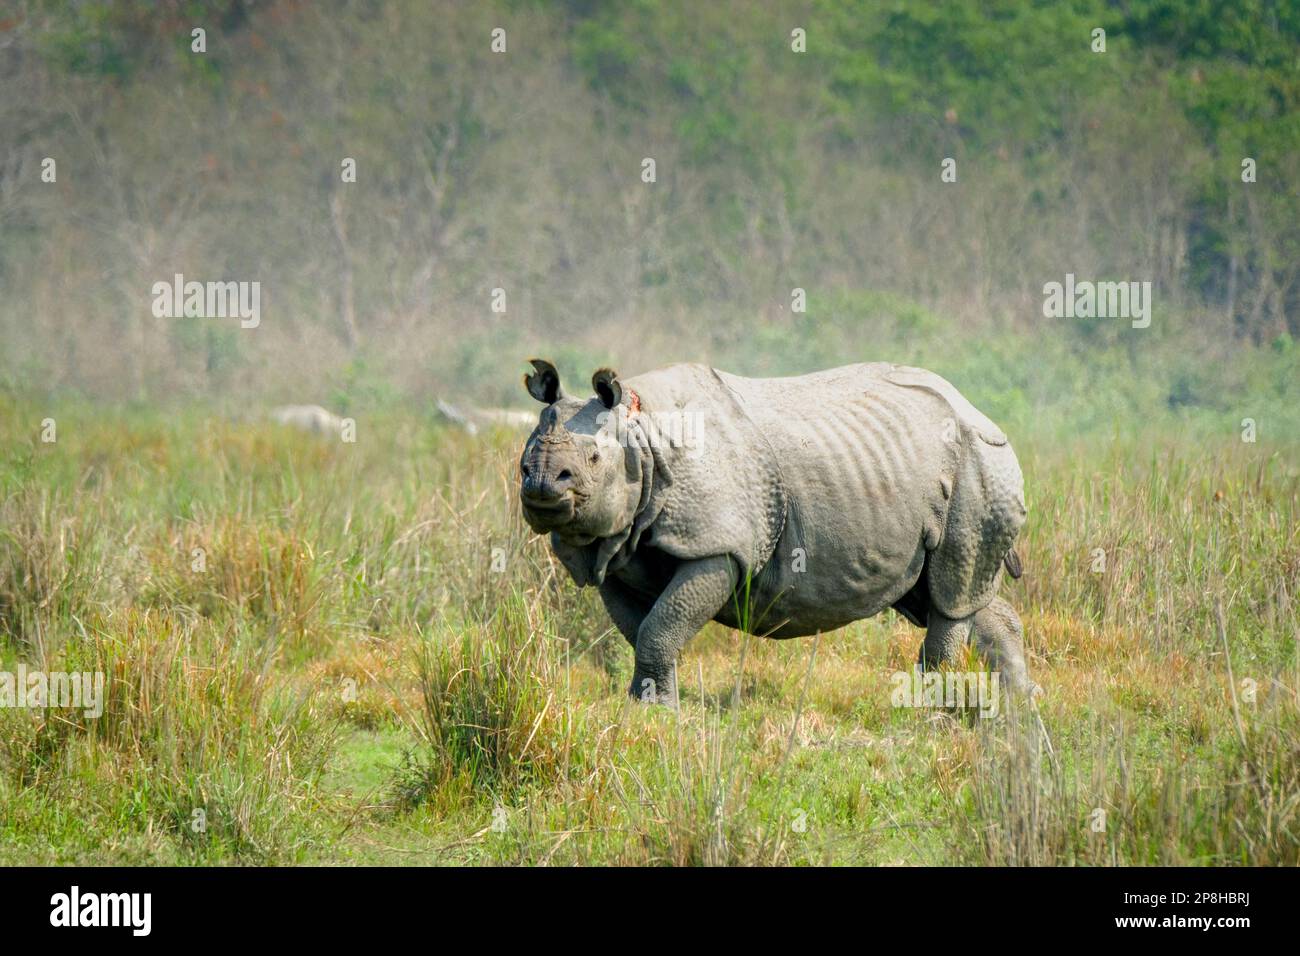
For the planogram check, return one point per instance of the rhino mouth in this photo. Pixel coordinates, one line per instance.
(548, 515)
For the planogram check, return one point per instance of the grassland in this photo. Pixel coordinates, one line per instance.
(376, 662)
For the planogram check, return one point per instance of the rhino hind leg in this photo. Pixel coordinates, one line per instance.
(985, 515)
(996, 634)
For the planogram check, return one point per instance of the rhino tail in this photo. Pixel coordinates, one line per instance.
(1012, 561)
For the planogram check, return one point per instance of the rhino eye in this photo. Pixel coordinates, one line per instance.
(524, 469)
(595, 457)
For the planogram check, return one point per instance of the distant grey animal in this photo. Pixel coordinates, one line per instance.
(472, 419)
(310, 418)
(796, 506)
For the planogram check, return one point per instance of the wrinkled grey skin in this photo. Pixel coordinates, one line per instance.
(832, 496)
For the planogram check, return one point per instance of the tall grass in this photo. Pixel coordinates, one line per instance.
(200, 752)
(398, 570)
(494, 705)
(1096, 802)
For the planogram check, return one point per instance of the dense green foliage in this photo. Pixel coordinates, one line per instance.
(522, 171)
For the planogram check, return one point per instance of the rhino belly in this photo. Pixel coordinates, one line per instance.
(831, 572)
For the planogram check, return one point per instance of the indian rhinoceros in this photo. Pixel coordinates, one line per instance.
(781, 506)
(308, 418)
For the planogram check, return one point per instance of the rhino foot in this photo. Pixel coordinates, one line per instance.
(648, 689)
(994, 631)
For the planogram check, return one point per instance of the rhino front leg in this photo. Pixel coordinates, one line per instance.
(1000, 639)
(697, 591)
(625, 608)
(945, 640)
(996, 633)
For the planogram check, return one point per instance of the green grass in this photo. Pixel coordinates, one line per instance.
(349, 680)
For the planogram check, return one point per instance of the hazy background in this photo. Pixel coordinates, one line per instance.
(775, 170)
(357, 652)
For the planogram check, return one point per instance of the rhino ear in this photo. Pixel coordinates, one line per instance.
(544, 384)
(607, 386)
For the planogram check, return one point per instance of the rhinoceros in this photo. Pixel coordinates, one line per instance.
(308, 418)
(472, 419)
(780, 506)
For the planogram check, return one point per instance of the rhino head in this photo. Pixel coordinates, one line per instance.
(578, 476)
